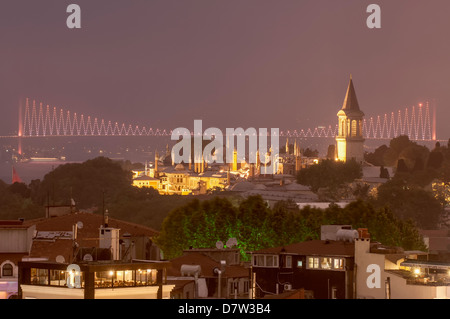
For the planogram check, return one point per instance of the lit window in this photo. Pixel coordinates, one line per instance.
(354, 126)
(338, 263)
(325, 263)
(299, 264)
(313, 262)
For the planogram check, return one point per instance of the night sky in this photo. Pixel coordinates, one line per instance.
(234, 63)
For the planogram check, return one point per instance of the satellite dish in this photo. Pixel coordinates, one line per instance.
(88, 257)
(231, 242)
(60, 259)
(80, 225)
(219, 245)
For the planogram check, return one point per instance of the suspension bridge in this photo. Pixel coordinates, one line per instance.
(418, 122)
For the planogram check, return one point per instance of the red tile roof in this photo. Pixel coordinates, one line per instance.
(12, 224)
(87, 236)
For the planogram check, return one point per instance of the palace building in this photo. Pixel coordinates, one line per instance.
(180, 179)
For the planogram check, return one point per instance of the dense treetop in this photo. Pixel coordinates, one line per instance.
(255, 225)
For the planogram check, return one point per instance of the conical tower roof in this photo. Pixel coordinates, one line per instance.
(351, 104)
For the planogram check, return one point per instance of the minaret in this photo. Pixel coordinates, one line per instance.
(235, 168)
(155, 174)
(350, 141)
(202, 167)
(257, 164)
(196, 167)
(287, 145)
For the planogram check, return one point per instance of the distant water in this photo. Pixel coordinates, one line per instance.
(28, 171)
(75, 152)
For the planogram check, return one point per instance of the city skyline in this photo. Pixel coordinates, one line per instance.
(261, 64)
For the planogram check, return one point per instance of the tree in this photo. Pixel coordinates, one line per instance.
(252, 223)
(310, 153)
(384, 173)
(409, 202)
(20, 189)
(377, 157)
(15, 203)
(329, 173)
(84, 182)
(401, 166)
(435, 159)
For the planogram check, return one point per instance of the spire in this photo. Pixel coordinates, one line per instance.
(350, 101)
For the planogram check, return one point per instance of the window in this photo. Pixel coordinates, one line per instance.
(313, 262)
(288, 261)
(325, 263)
(39, 276)
(338, 263)
(265, 261)
(333, 292)
(354, 128)
(259, 260)
(58, 277)
(7, 270)
(246, 286)
(234, 288)
(125, 278)
(299, 263)
(269, 261)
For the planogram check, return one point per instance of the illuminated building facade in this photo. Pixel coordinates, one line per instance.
(98, 280)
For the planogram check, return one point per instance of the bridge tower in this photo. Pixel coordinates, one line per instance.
(20, 130)
(350, 140)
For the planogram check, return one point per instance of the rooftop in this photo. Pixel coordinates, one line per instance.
(53, 236)
(207, 265)
(313, 248)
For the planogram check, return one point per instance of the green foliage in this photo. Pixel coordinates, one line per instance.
(309, 152)
(329, 173)
(95, 184)
(409, 202)
(400, 148)
(86, 183)
(256, 226)
(15, 203)
(377, 157)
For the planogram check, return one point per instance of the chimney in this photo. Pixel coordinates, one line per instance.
(109, 239)
(363, 233)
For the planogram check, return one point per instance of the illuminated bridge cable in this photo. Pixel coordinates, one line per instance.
(415, 122)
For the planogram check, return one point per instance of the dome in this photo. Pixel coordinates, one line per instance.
(179, 167)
